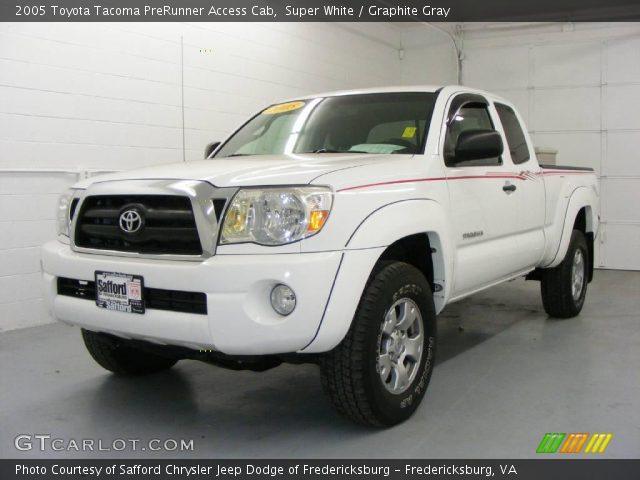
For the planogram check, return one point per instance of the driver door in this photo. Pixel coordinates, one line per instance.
(484, 211)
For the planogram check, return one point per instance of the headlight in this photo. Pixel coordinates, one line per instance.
(276, 216)
(64, 212)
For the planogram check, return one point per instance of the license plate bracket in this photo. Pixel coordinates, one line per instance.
(121, 292)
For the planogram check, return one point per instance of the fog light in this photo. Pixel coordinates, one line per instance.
(283, 300)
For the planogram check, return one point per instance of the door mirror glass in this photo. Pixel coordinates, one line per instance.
(477, 144)
(210, 148)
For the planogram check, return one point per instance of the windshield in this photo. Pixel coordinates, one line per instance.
(384, 123)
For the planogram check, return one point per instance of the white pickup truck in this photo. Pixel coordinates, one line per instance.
(329, 229)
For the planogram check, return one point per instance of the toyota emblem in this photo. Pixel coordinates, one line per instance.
(130, 221)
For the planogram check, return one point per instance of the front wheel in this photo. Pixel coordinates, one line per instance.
(120, 357)
(379, 373)
(564, 287)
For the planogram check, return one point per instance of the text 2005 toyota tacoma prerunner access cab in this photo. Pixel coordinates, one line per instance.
(329, 229)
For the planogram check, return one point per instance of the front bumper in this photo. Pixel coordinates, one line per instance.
(240, 319)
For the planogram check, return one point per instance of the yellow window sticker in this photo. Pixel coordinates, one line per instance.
(409, 132)
(283, 107)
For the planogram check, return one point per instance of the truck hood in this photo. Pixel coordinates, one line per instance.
(251, 170)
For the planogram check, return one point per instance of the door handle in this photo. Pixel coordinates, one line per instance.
(509, 188)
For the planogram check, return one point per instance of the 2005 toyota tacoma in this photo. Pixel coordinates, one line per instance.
(329, 229)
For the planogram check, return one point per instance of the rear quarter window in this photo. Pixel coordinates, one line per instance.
(515, 136)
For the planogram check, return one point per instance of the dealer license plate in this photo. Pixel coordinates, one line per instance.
(120, 292)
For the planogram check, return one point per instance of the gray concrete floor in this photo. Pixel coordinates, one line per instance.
(506, 374)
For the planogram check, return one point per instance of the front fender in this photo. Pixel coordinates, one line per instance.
(376, 232)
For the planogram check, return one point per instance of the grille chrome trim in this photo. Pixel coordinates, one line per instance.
(201, 194)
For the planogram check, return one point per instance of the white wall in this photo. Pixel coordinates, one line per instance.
(429, 56)
(578, 87)
(80, 96)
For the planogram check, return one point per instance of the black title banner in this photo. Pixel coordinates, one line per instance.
(317, 10)
(319, 469)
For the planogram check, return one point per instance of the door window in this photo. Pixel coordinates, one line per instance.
(470, 117)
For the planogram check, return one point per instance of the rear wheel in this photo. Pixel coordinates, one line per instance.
(379, 373)
(118, 356)
(564, 287)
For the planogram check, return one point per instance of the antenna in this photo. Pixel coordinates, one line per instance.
(184, 148)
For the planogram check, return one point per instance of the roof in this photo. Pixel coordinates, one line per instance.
(405, 88)
(359, 91)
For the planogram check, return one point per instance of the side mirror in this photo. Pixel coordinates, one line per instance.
(210, 148)
(477, 144)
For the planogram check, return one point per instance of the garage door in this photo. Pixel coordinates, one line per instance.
(580, 94)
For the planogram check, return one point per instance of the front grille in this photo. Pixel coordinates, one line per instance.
(154, 298)
(169, 226)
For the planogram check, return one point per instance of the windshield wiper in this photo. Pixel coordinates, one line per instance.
(327, 150)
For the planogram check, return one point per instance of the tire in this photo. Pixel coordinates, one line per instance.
(117, 356)
(564, 287)
(358, 380)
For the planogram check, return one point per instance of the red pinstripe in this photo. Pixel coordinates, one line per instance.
(520, 176)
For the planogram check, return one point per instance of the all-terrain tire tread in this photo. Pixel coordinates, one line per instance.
(110, 357)
(557, 298)
(343, 369)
